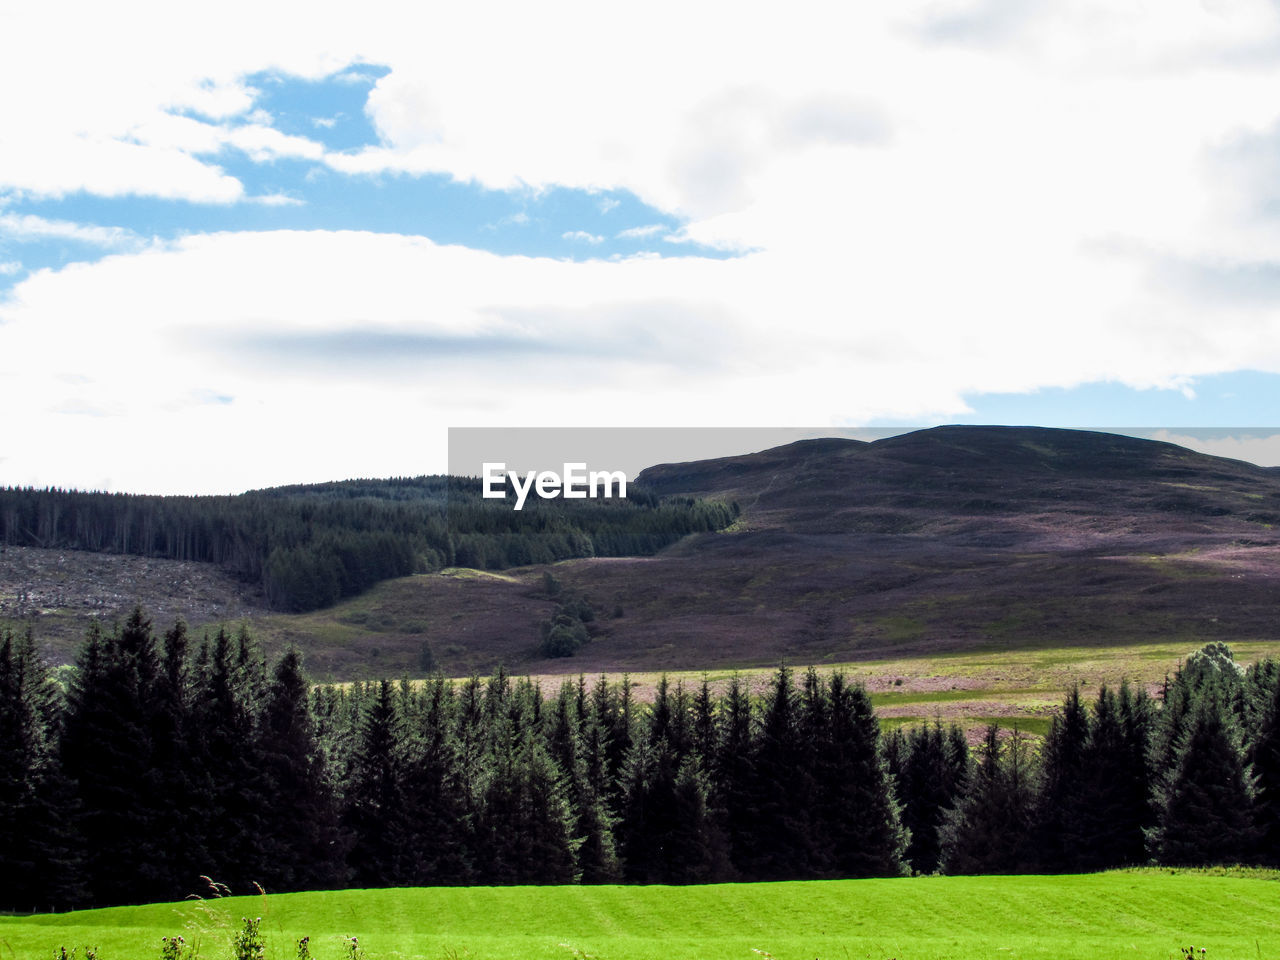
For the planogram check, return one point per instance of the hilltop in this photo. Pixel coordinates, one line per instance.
(950, 539)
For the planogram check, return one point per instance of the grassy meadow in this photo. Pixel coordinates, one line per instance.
(1140, 914)
(1019, 687)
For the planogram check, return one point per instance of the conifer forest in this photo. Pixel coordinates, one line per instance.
(159, 759)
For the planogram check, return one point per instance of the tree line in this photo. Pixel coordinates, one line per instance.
(310, 546)
(158, 760)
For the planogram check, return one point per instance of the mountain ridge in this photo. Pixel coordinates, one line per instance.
(953, 538)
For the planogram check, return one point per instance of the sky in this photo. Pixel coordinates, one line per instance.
(245, 245)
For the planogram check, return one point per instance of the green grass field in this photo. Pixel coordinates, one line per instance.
(1142, 913)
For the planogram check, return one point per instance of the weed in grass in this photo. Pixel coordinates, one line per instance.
(216, 890)
(1193, 953)
(203, 920)
(353, 949)
(177, 948)
(304, 949)
(248, 943)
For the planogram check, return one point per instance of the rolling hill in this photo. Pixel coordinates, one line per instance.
(944, 540)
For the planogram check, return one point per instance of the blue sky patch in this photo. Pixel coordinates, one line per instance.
(1243, 398)
(306, 194)
(329, 111)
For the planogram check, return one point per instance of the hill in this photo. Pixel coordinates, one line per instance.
(953, 539)
(1147, 913)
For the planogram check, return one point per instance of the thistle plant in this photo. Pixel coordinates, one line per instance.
(248, 943)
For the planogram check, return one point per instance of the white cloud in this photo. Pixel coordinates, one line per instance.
(27, 227)
(322, 335)
(582, 236)
(9, 267)
(938, 198)
(93, 108)
(277, 200)
(648, 230)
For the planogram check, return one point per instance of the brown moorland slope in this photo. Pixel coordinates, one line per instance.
(949, 539)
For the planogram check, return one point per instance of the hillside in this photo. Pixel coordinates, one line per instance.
(950, 539)
(1145, 914)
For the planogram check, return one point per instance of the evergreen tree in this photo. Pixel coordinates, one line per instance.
(376, 809)
(440, 822)
(648, 817)
(1060, 810)
(1115, 808)
(39, 853)
(1205, 803)
(781, 845)
(526, 824)
(1264, 755)
(733, 773)
(854, 810)
(1256, 694)
(933, 775)
(107, 751)
(612, 707)
(699, 852)
(821, 763)
(1136, 716)
(471, 741)
(232, 789)
(301, 842)
(593, 826)
(180, 827)
(989, 831)
(705, 729)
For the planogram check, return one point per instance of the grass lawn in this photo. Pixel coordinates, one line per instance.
(1141, 913)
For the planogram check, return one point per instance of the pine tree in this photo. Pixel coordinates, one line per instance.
(232, 787)
(376, 811)
(39, 853)
(780, 792)
(436, 805)
(1114, 808)
(821, 759)
(471, 739)
(699, 852)
(989, 831)
(179, 827)
(107, 752)
(1138, 811)
(733, 773)
(1205, 802)
(933, 776)
(301, 841)
(1060, 809)
(705, 729)
(1264, 755)
(593, 826)
(854, 808)
(648, 818)
(526, 825)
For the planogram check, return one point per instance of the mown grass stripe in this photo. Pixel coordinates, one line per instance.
(1120, 914)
